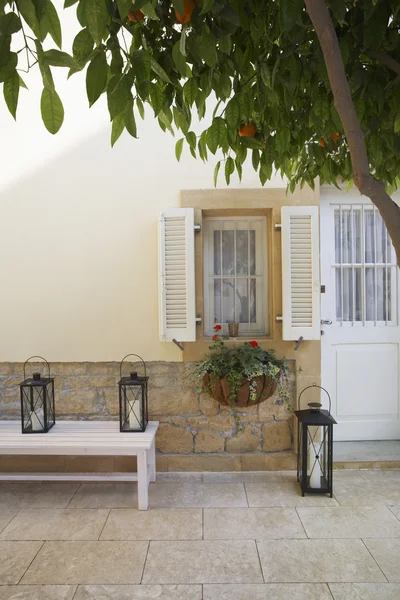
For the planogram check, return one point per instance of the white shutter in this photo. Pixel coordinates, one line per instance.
(300, 273)
(177, 305)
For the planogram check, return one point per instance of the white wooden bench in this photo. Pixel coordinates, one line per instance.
(85, 438)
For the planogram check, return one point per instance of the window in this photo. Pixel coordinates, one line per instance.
(235, 274)
(365, 267)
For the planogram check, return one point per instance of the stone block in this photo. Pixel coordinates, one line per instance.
(208, 406)
(179, 421)
(80, 402)
(105, 368)
(6, 368)
(162, 368)
(208, 441)
(204, 462)
(220, 422)
(12, 381)
(176, 400)
(247, 440)
(274, 409)
(173, 440)
(276, 436)
(110, 397)
(277, 461)
(161, 463)
(70, 369)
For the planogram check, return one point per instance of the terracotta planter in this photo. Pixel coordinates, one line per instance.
(219, 389)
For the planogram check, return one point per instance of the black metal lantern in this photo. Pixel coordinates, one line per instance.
(315, 447)
(133, 406)
(37, 402)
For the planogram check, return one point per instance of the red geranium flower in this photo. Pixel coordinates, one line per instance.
(214, 337)
(217, 327)
(253, 344)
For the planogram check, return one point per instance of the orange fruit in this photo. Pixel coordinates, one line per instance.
(189, 7)
(135, 16)
(336, 135)
(248, 130)
(322, 142)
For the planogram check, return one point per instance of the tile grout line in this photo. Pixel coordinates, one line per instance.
(202, 523)
(75, 592)
(302, 524)
(73, 496)
(374, 559)
(259, 562)
(247, 498)
(389, 507)
(145, 561)
(10, 521)
(105, 523)
(328, 585)
(30, 564)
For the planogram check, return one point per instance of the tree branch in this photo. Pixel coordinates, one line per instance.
(367, 185)
(386, 59)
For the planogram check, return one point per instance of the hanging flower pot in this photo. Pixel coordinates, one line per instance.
(249, 393)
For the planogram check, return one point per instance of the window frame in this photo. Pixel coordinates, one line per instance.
(261, 327)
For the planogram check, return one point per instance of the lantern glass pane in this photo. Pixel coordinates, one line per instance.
(37, 408)
(51, 417)
(132, 407)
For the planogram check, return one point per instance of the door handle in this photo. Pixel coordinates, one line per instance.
(326, 322)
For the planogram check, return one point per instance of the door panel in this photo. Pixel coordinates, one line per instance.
(360, 349)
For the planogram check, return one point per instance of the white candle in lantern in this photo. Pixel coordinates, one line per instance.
(314, 466)
(135, 415)
(37, 418)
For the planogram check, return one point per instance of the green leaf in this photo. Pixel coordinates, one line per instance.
(7, 70)
(179, 148)
(158, 70)
(141, 64)
(374, 30)
(202, 145)
(129, 119)
(28, 12)
(82, 46)
(68, 3)
(229, 169)
(182, 41)
(124, 6)
(118, 94)
(191, 140)
(265, 74)
(225, 44)
(290, 12)
(53, 23)
(216, 171)
(117, 128)
(156, 98)
(166, 119)
(179, 5)
(96, 77)
(255, 159)
(56, 58)
(207, 6)
(179, 59)
(45, 70)
(96, 17)
(207, 49)
(22, 82)
(52, 110)
(9, 24)
(148, 10)
(140, 106)
(397, 123)
(213, 137)
(190, 91)
(338, 7)
(11, 93)
(232, 113)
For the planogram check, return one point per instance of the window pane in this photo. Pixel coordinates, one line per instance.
(253, 304)
(228, 258)
(242, 301)
(337, 236)
(370, 294)
(228, 303)
(252, 252)
(217, 253)
(358, 294)
(369, 236)
(357, 236)
(217, 301)
(346, 236)
(242, 252)
(380, 234)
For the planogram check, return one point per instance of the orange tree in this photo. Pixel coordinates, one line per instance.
(316, 81)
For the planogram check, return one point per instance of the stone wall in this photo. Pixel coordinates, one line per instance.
(195, 433)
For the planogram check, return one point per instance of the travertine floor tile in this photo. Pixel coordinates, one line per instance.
(37, 494)
(243, 477)
(290, 561)
(196, 495)
(230, 561)
(349, 522)
(6, 515)
(37, 592)
(380, 474)
(154, 524)
(138, 592)
(56, 524)
(283, 494)
(350, 493)
(15, 558)
(365, 591)
(180, 477)
(106, 495)
(396, 511)
(87, 562)
(252, 523)
(387, 555)
(270, 591)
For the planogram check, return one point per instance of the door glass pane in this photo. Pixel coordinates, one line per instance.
(358, 294)
(337, 237)
(242, 252)
(369, 237)
(380, 235)
(357, 235)
(228, 257)
(370, 294)
(346, 236)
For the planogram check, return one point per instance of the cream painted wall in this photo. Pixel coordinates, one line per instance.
(78, 229)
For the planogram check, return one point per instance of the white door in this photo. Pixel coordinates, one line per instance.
(361, 347)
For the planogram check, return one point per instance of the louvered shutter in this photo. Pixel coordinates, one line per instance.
(300, 273)
(177, 306)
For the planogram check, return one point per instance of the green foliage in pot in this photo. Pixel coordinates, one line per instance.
(236, 365)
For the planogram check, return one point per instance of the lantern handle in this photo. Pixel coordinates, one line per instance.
(137, 355)
(30, 358)
(314, 385)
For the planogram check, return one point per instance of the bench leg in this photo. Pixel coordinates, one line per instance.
(152, 462)
(143, 481)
